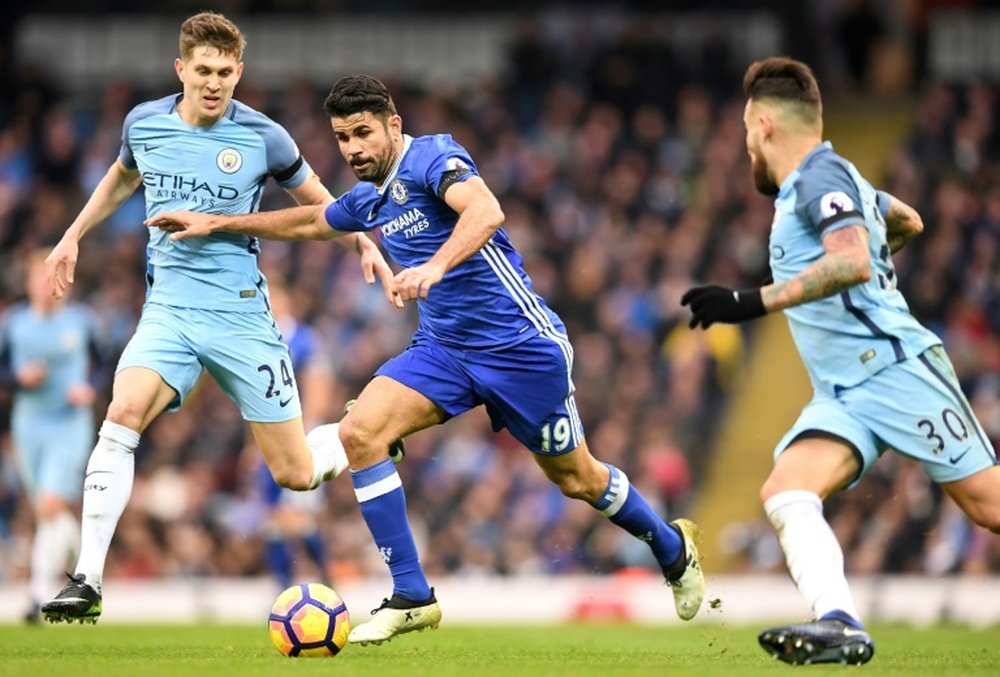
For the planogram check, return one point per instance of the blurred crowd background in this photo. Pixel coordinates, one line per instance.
(620, 164)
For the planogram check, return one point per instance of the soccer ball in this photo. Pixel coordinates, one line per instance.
(309, 619)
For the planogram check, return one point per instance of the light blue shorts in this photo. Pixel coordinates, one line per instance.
(915, 407)
(242, 351)
(52, 453)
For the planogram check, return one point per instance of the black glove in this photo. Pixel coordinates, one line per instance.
(712, 303)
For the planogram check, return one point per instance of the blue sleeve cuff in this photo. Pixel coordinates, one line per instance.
(884, 201)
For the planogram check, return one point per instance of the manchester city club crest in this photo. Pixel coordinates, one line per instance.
(229, 160)
(398, 192)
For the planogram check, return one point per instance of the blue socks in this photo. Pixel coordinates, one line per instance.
(625, 506)
(383, 505)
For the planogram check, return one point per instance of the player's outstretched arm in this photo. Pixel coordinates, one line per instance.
(479, 216)
(845, 263)
(294, 223)
(902, 221)
(373, 264)
(117, 185)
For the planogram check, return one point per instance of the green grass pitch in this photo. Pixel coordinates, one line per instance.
(471, 651)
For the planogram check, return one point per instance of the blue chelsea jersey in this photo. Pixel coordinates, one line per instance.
(220, 169)
(486, 301)
(850, 336)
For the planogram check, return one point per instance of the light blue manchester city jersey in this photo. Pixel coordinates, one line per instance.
(61, 341)
(848, 337)
(486, 301)
(219, 169)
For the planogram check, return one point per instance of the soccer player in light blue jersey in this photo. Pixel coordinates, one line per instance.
(882, 381)
(484, 337)
(48, 351)
(207, 304)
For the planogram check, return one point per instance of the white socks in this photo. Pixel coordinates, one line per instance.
(812, 552)
(56, 542)
(106, 490)
(328, 456)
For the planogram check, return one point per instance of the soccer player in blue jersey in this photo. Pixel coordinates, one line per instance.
(206, 306)
(881, 380)
(484, 337)
(49, 353)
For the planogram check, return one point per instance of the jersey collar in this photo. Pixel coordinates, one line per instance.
(790, 180)
(395, 168)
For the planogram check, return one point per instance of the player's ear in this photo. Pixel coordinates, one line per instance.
(766, 126)
(179, 69)
(396, 124)
(239, 71)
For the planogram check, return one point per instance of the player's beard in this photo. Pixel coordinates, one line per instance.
(762, 180)
(378, 168)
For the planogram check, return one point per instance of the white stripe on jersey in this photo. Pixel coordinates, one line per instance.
(532, 309)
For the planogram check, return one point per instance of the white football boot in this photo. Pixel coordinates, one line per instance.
(689, 586)
(397, 616)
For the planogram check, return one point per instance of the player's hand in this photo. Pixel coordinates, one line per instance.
(80, 395)
(60, 266)
(414, 283)
(31, 375)
(712, 303)
(374, 266)
(182, 225)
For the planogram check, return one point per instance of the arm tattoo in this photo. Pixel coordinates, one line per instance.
(899, 228)
(845, 264)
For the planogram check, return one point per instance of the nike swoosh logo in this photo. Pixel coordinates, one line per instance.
(285, 403)
(955, 459)
(851, 632)
(150, 149)
(371, 215)
(94, 472)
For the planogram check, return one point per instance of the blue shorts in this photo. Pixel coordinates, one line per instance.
(52, 452)
(242, 351)
(527, 388)
(915, 407)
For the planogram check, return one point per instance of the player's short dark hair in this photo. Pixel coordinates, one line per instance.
(214, 30)
(786, 80)
(359, 94)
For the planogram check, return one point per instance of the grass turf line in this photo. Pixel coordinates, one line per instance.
(467, 651)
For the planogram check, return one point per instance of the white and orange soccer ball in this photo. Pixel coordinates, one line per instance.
(309, 619)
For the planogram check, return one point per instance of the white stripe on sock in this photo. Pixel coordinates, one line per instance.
(376, 489)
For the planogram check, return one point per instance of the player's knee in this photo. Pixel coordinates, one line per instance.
(290, 477)
(772, 486)
(50, 506)
(125, 413)
(358, 439)
(988, 517)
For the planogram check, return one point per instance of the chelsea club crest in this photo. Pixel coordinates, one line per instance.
(229, 160)
(398, 192)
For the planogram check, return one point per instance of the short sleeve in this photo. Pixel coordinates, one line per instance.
(284, 162)
(340, 214)
(884, 202)
(125, 152)
(828, 198)
(446, 163)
